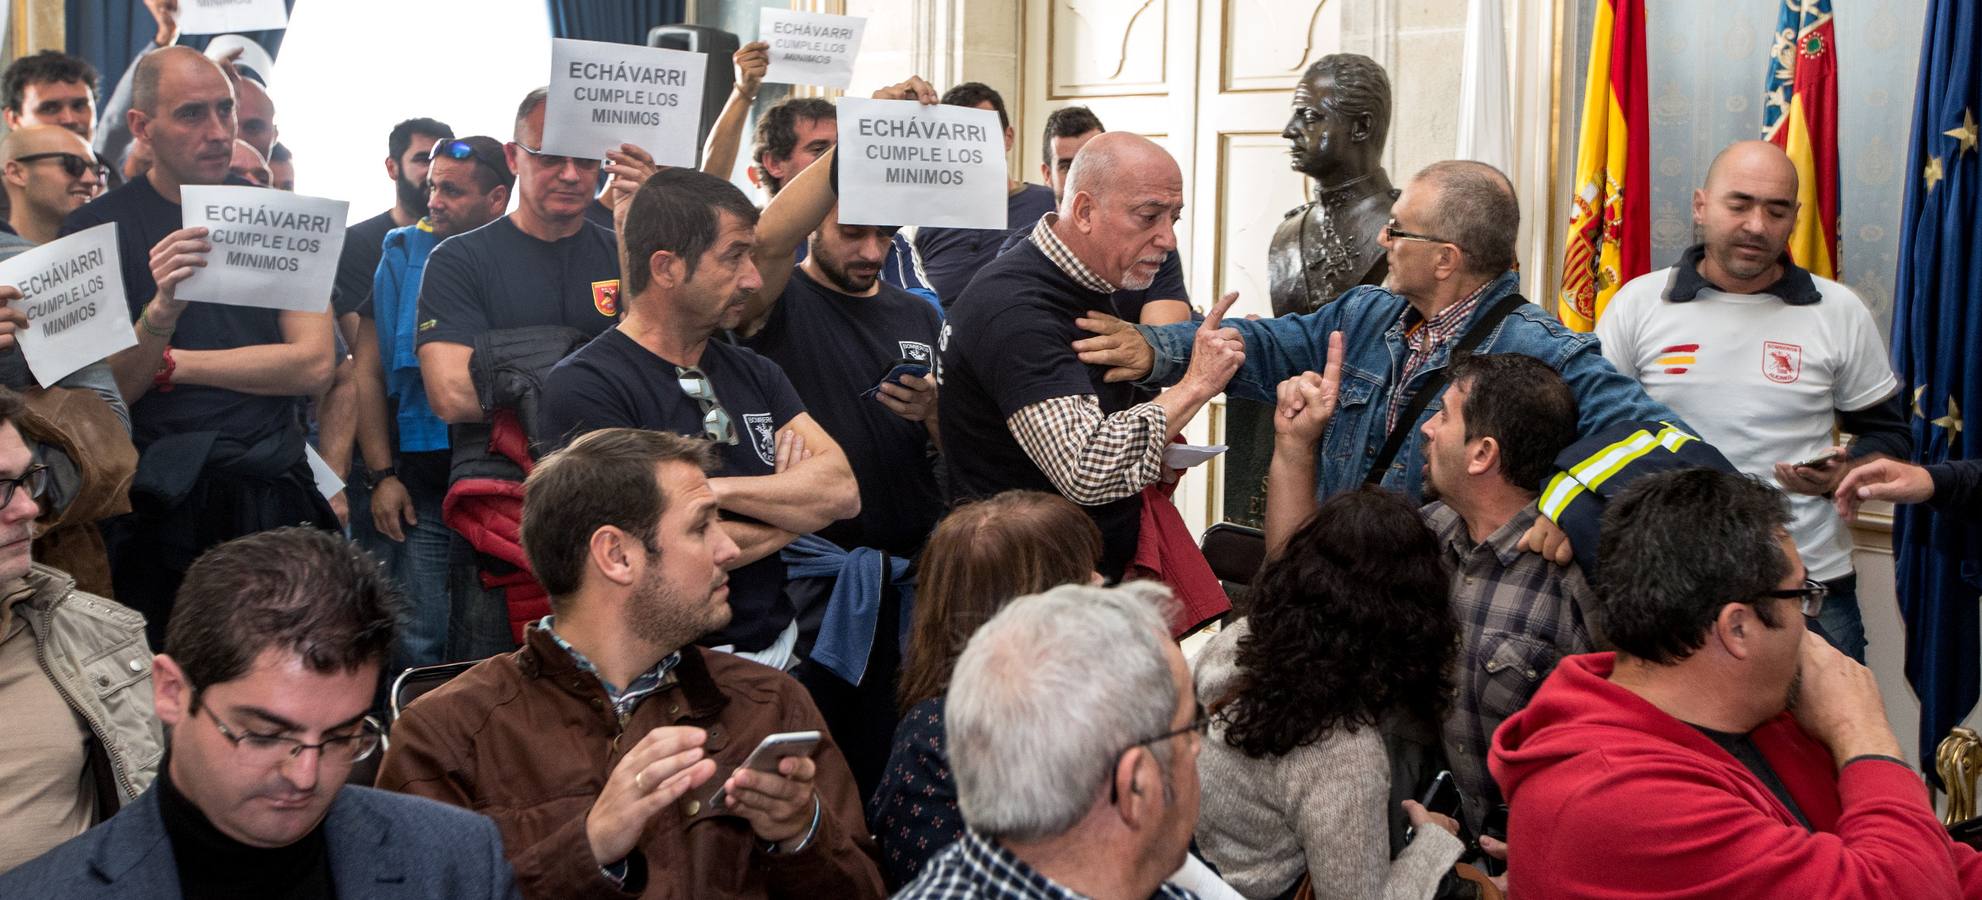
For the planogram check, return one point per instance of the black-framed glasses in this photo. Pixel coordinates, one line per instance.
(1810, 596)
(35, 479)
(269, 750)
(557, 162)
(1199, 724)
(459, 149)
(1391, 230)
(73, 164)
(716, 422)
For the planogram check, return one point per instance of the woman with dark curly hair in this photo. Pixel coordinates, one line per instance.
(1325, 701)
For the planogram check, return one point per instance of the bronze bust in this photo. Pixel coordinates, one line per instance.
(1336, 133)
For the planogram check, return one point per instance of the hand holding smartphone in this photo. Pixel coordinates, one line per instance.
(765, 758)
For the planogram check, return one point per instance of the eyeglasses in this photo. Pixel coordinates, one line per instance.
(558, 162)
(1199, 724)
(35, 479)
(465, 150)
(73, 165)
(1810, 595)
(1391, 230)
(269, 751)
(716, 423)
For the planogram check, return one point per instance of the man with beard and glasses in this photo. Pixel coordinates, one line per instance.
(843, 336)
(1723, 750)
(1767, 360)
(403, 444)
(599, 746)
(687, 240)
(264, 697)
(1009, 385)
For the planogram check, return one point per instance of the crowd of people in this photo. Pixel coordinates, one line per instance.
(758, 554)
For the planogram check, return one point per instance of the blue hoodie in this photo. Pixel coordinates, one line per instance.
(396, 306)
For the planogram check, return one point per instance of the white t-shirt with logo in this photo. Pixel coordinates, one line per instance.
(1759, 379)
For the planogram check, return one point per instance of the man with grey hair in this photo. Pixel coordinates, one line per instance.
(1073, 732)
(1452, 286)
(1010, 388)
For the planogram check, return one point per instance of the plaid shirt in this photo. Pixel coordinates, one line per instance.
(1518, 614)
(1091, 458)
(623, 701)
(975, 868)
(1424, 337)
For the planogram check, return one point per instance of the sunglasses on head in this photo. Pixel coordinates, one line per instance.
(73, 165)
(467, 151)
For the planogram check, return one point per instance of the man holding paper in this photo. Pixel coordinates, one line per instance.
(1010, 386)
(213, 387)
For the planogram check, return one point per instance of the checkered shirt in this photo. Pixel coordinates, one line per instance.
(1424, 336)
(623, 701)
(1518, 614)
(1091, 458)
(976, 869)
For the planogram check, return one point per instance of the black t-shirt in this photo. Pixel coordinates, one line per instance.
(1007, 344)
(835, 347)
(1169, 283)
(1743, 749)
(144, 217)
(364, 244)
(496, 277)
(952, 256)
(613, 382)
(599, 214)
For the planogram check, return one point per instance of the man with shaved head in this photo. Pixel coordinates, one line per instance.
(1452, 280)
(49, 172)
(213, 387)
(1009, 386)
(1765, 359)
(248, 165)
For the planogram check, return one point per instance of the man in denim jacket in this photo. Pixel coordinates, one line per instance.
(1450, 244)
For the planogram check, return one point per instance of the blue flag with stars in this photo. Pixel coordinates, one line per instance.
(1937, 337)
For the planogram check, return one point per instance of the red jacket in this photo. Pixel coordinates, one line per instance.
(1611, 797)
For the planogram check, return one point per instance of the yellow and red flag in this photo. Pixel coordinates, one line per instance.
(1799, 114)
(1610, 225)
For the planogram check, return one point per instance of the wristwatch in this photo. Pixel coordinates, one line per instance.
(379, 475)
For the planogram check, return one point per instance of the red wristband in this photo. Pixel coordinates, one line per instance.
(162, 380)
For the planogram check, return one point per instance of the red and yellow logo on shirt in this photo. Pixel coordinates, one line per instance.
(1677, 358)
(605, 297)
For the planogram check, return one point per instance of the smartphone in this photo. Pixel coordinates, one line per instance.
(1441, 797)
(901, 369)
(771, 750)
(1818, 460)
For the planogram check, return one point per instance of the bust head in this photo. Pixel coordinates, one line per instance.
(1341, 116)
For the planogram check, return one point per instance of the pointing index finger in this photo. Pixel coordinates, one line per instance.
(1218, 311)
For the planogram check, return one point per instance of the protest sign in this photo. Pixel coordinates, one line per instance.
(603, 95)
(903, 163)
(72, 291)
(328, 484)
(810, 48)
(271, 248)
(222, 16)
(252, 57)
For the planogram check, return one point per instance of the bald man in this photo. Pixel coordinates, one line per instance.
(49, 173)
(256, 114)
(248, 165)
(213, 387)
(1764, 359)
(1011, 392)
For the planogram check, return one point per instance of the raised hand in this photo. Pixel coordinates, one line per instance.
(752, 60)
(1217, 351)
(1306, 402)
(914, 88)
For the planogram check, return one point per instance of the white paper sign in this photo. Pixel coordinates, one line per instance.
(222, 16)
(73, 293)
(328, 484)
(271, 248)
(903, 163)
(603, 95)
(1184, 456)
(810, 48)
(253, 56)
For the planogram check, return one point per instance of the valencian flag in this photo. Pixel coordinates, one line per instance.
(1937, 328)
(1799, 114)
(1610, 225)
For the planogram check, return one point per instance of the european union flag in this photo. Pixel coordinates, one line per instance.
(1937, 330)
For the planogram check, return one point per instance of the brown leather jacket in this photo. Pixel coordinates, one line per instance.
(528, 738)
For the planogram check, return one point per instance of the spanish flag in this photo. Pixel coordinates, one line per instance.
(1799, 115)
(1610, 225)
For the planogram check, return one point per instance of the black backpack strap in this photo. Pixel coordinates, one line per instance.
(1435, 385)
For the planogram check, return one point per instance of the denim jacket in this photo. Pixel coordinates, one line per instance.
(1371, 320)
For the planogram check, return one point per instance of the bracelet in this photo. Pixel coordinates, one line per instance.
(162, 380)
(811, 831)
(144, 322)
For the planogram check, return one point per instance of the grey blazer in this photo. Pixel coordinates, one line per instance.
(382, 845)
